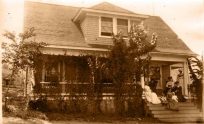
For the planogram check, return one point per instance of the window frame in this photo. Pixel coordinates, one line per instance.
(128, 25)
(100, 24)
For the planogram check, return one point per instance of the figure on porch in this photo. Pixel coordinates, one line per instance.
(180, 76)
(172, 101)
(151, 96)
(169, 85)
(178, 92)
(153, 84)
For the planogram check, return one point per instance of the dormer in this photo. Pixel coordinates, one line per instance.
(99, 22)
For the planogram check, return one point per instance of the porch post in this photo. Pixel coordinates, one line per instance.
(186, 78)
(43, 72)
(63, 71)
(142, 80)
(59, 76)
(63, 83)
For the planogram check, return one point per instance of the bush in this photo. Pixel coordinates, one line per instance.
(40, 104)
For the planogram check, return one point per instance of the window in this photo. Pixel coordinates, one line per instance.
(136, 22)
(106, 26)
(114, 25)
(122, 26)
(51, 72)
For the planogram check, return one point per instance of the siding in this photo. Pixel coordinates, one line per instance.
(90, 28)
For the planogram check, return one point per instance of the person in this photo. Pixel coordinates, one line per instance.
(170, 82)
(153, 84)
(174, 97)
(172, 101)
(178, 92)
(151, 96)
(169, 85)
(180, 76)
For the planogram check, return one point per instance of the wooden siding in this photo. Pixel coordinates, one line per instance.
(90, 28)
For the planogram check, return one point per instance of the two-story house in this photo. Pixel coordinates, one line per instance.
(72, 32)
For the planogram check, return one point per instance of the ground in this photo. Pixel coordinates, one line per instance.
(14, 120)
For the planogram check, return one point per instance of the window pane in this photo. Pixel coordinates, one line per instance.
(122, 22)
(106, 26)
(122, 26)
(106, 19)
(123, 30)
(136, 22)
(107, 29)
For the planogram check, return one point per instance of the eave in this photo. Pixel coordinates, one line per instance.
(82, 11)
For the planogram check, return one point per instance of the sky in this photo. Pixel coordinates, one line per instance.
(185, 17)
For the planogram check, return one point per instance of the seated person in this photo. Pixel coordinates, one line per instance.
(151, 96)
(172, 101)
(174, 97)
(163, 100)
(178, 92)
(169, 85)
(153, 84)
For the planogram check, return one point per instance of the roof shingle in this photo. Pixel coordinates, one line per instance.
(53, 24)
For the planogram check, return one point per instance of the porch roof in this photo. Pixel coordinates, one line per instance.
(54, 25)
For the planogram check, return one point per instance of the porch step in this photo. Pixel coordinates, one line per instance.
(175, 112)
(178, 115)
(182, 120)
(188, 113)
(180, 104)
(163, 108)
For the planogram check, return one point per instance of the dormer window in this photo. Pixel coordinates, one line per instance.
(113, 25)
(122, 26)
(106, 26)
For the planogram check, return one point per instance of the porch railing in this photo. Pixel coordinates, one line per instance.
(64, 88)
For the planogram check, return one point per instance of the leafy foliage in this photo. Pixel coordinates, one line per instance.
(21, 51)
(128, 58)
(127, 61)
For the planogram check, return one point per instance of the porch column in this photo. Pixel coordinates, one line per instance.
(59, 76)
(43, 72)
(63, 83)
(142, 80)
(186, 78)
(63, 71)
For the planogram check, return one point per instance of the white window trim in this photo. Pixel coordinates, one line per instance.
(100, 27)
(128, 25)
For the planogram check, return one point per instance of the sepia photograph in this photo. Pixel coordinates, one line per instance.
(101, 61)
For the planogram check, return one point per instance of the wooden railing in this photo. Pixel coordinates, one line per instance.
(80, 88)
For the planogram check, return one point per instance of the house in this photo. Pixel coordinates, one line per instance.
(72, 32)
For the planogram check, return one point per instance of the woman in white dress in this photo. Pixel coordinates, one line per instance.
(151, 96)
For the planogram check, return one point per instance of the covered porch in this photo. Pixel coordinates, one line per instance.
(167, 65)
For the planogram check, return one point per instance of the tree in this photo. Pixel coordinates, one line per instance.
(126, 60)
(21, 52)
(139, 46)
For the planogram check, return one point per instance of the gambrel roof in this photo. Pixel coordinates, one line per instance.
(54, 25)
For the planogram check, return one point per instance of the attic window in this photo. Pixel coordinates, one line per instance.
(135, 22)
(122, 26)
(106, 26)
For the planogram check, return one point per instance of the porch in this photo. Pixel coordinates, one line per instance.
(72, 75)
